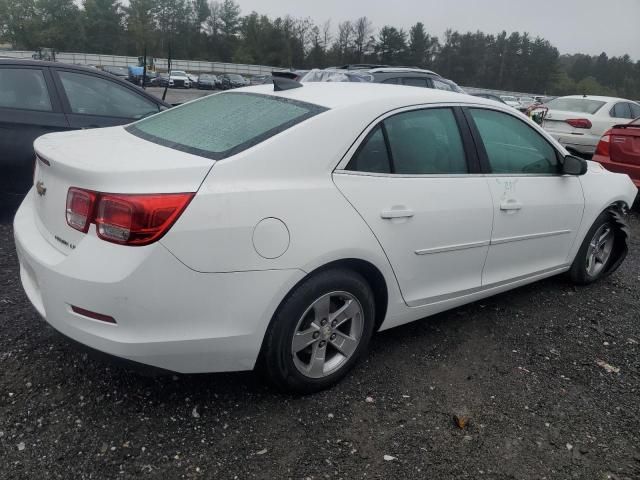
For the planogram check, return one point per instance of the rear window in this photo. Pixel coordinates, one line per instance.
(222, 125)
(578, 105)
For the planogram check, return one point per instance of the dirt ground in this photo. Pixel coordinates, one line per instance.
(548, 375)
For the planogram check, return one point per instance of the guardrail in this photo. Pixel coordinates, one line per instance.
(194, 66)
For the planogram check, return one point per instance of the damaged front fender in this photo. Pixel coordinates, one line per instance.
(619, 214)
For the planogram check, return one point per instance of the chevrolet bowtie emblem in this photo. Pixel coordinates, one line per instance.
(41, 189)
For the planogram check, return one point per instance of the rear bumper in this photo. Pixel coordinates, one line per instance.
(167, 315)
(632, 170)
(585, 144)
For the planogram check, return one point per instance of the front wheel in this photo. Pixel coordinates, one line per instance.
(319, 332)
(597, 252)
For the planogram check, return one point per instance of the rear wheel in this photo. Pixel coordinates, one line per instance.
(596, 252)
(319, 332)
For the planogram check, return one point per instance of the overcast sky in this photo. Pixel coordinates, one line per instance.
(585, 26)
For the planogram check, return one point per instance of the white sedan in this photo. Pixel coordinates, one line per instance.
(579, 121)
(281, 228)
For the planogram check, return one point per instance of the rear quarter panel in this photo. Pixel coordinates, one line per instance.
(288, 177)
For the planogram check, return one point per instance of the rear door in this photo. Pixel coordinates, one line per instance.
(412, 180)
(537, 210)
(29, 108)
(92, 101)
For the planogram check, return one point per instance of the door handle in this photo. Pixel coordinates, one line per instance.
(397, 213)
(510, 205)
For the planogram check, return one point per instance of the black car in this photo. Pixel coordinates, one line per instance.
(489, 96)
(232, 80)
(161, 80)
(207, 81)
(38, 97)
(414, 77)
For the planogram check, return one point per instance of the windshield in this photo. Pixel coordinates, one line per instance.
(222, 125)
(235, 78)
(578, 105)
(178, 73)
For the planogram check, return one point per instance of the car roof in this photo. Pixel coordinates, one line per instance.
(43, 63)
(597, 97)
(401, 70)
(346, 94)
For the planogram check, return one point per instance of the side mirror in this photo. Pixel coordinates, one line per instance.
(574, 165)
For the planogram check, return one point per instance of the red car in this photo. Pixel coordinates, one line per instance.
(619, 150)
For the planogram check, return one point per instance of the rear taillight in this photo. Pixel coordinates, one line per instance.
(125, 219)
(80, 204)
(603, 145)
(579, 122)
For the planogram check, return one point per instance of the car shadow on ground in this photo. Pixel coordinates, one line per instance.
(442, 331)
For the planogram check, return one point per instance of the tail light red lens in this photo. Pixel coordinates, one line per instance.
(131, 219)
(80, 205)
(579, 122)
(603, 145)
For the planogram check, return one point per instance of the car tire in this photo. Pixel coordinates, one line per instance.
(597, 252)
(334, 341)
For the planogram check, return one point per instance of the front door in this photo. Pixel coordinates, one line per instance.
(411, 180)
(537, 210)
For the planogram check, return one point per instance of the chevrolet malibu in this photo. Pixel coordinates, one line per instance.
(279, 228)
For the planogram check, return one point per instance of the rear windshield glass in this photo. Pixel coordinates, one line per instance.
(222, 125)
(578, 105)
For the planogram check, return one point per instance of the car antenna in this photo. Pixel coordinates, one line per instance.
(164, 94)
(284, 81)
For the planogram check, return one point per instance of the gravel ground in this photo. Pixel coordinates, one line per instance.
(522, 366)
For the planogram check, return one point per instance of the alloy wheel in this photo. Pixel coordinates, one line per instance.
(599, 251)
(328, 334)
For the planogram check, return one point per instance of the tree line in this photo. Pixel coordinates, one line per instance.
(218, 31)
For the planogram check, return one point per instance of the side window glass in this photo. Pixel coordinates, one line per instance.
(394, 81)
(426, 142)
(635, 110)
(441, 85)
(621, 110)
(24, 88)
(91, 95)
(416, 82)
(372, 155)
(513, 146)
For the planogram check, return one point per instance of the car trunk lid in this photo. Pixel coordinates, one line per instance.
(108, 160)
(556, 121)
(624, 144)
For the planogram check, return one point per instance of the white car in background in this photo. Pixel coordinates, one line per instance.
(179, 79)
(511, 101)
(194, 248)
(579, 121)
